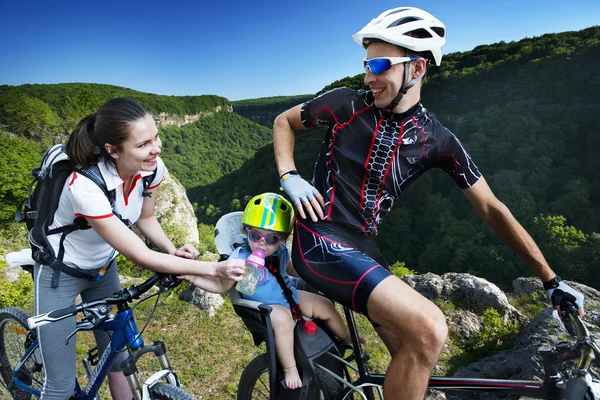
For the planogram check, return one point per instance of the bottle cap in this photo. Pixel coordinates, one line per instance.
(309, 327)
(257, 257)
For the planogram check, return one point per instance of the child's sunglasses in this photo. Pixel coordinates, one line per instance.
(269, 239)
(381, 64)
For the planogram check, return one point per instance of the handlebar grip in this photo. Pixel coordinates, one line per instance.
(568, 306)
(576, 388)
(52, 316)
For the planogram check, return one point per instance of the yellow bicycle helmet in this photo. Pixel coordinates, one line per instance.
(269, 211)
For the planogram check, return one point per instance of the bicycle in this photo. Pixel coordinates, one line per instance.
(328, 374)
(21, 365)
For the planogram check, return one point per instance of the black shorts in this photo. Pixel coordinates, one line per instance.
(343, 264)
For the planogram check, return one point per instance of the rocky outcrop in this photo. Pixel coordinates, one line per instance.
(208, 302)
(175, 212)
(522, 361)
(466, 292)
(164, 118)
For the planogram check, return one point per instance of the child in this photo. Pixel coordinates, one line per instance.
(267, 221)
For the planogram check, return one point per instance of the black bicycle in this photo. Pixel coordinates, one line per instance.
(327, 373)
(334, 371)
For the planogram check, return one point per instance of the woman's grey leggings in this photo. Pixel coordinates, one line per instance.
(58, 357)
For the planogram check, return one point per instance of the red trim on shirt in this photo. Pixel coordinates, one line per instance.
(73, 178)
(155, 186)
(94, 216)
(126, 195)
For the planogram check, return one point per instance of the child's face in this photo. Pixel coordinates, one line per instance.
(263, 238)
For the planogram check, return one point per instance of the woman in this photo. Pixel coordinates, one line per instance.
(121, 138)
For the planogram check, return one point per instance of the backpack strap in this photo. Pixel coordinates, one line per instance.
(92, 172)
(272, 265)
(147, 181)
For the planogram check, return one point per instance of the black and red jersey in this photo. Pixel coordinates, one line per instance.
(370, 156)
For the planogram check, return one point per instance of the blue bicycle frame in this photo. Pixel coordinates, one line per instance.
(125, 335)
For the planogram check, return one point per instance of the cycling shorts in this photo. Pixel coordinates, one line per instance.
(345, 265)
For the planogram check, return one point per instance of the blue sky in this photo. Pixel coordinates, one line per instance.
(238, 49)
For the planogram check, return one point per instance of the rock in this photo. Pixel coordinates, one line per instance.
(175, 212)
(465, 291)
(208, 302)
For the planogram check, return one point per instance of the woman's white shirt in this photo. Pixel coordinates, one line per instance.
(82, 197)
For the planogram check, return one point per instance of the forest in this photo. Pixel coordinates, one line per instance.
(264, 110)
(527, 113)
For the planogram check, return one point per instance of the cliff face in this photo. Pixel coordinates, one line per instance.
(175, 213)
(164, 119)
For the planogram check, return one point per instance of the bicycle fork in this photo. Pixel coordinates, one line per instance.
(139, 390)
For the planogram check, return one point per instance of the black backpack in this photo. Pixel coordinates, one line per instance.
(38, 209)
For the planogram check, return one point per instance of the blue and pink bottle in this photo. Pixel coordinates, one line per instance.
(255, 266)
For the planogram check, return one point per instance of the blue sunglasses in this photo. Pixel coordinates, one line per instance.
(381, 64)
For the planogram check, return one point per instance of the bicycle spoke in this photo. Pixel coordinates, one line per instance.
(264, 389)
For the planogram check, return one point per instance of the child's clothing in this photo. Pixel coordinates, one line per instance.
(268, 290)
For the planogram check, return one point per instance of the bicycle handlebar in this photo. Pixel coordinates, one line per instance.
(123, 296)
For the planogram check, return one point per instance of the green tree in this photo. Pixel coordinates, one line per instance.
(19, 157)
(83, 103)
(560, 244)
(30, 116)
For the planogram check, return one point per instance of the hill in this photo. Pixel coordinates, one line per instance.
(44, 112)
(264, 110)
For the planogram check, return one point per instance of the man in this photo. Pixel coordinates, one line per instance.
(379, 141)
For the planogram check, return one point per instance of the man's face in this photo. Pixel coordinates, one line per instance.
(386, 85)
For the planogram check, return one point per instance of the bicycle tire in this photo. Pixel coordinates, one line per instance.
(14, 335)
(577, 389)
(254, 382)
(165, 391)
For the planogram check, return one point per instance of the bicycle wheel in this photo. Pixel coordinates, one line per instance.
(254, 382)
(15, 338)
(165, 391)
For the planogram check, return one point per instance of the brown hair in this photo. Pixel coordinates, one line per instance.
(110, 124)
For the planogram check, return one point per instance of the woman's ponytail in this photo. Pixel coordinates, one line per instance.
(81, 146)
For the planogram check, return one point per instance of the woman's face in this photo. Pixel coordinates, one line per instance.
(269, 249)
(140, 149)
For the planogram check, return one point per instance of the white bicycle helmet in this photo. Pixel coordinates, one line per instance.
(408, 27)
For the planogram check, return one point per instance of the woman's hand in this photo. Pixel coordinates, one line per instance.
(189, 278)
(230, 269)
(187, 251)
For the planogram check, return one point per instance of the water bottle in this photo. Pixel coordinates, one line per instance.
(255, 265)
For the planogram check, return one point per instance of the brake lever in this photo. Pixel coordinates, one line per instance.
(168, 281)
(86, 326)
(92, 317)
(557, 317)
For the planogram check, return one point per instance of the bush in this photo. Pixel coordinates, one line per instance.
(400, 270)
(496, 335)
(18, 293)
(529, 304)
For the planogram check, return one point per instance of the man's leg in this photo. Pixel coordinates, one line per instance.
(414, 331)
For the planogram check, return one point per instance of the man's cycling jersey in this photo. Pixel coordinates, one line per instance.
(369, 156)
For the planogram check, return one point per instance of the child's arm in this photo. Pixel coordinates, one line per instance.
(214, 285)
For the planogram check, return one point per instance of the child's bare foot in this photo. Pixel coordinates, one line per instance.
(348, 339)
(292, 378)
